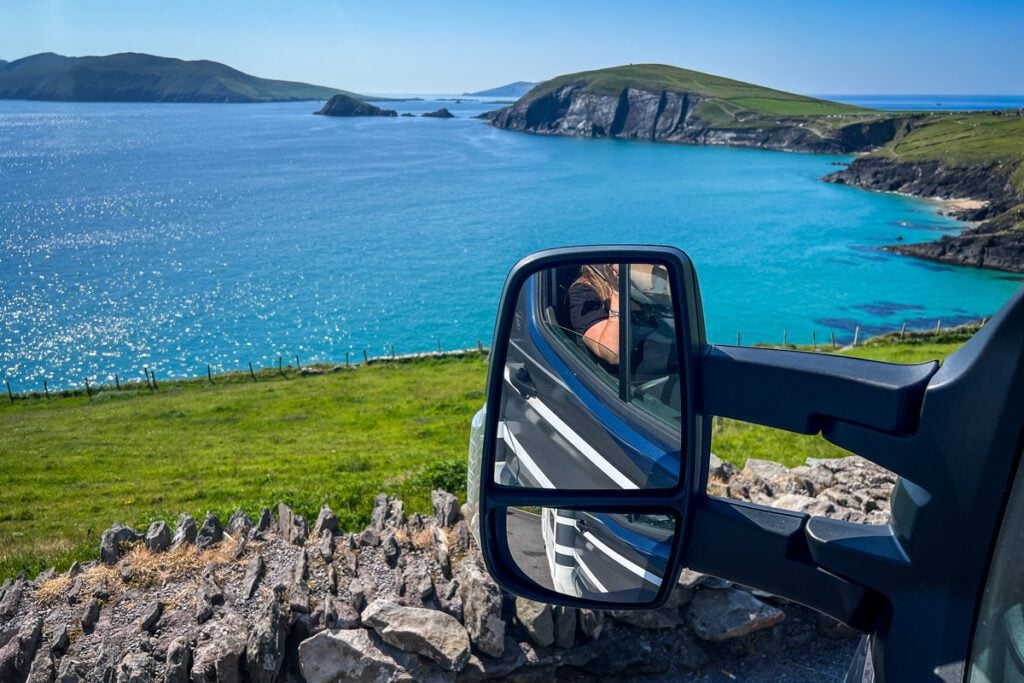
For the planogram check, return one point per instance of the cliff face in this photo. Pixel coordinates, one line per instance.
(675, 116)
(996, 243)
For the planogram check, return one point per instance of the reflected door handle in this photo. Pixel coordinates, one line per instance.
(522, 381)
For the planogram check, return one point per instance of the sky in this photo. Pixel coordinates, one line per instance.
(418, 46)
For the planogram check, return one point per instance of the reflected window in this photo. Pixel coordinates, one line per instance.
(584, 311)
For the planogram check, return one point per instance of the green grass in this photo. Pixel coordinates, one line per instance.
(70, 466)
(656, 77)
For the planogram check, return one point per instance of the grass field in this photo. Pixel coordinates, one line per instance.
(70, 466)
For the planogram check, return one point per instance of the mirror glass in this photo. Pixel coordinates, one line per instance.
(592, 391)
(610, 557)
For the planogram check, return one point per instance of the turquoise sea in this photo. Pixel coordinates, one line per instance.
(175, 235)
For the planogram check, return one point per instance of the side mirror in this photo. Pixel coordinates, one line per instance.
(590, 392)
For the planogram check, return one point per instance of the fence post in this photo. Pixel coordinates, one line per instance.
(983, 321)
(814, 340)
(366, 358)
(152, 374)
(785, 337)
(903, 329)
(833, 339)
(479, 346)
(938, 326)
(346, 359)
(46, 390)
(87, 392)
(298, 365)
(251, 373)
(392, 352)
(738, 339)
(117, 381)
(439, 346)
(9, 394)
(209, 373)
(856, 335)
(280, 369)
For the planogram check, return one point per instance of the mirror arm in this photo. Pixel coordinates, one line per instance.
(807, 392)
(768, 548)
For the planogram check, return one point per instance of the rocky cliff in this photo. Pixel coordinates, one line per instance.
(406, 599)
(343, 105)
(669, 115)
(997, 243)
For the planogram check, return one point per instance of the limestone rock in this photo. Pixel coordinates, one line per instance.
(298, 592)
(239, 524)
(43, 669)
(112, 541)
(325, 545)
(220, 650)
(185, 532)
(151, 616)
(135, 667)
(292, 527)
(11, 597)
(565, 626)
(265, 649)
(379, 514)
(158, 537)
(60, 641)
(537, 619)
(592, 623)
(209, 595)
(718, 615)
(357, 595)
(347, 655)
(179, 661)
(427, 632)
(446, 507)
(17, 654)
(325, 520)
(253, 573)
(211, 533)
(265, 522)
(481, 604)
(91, 614)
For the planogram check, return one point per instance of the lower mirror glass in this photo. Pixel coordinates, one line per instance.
(605, 556)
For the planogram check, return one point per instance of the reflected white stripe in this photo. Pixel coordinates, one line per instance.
(623, 561)
(590, 575)
(506, 434)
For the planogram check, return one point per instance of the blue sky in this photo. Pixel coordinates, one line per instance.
(816, 46)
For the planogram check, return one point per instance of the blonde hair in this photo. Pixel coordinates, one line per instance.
(600, 278)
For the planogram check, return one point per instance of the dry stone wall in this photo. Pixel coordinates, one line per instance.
(405, 599)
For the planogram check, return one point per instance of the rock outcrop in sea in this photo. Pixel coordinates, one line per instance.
(407, 598)
(672, 116)
(343, 105)
(441, 113)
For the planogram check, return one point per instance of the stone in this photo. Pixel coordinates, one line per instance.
(344, 105)
(332, 579)
(239, 524)
(241, 547)
(17, 654)
(151, 616)
(426, 632)
(379, 514)
(209, 595)
(357, 595)
(592, 623)
(11, 598)
(338, 614)
(211, 533)
(326, 520)
(718, 615)
(348, 655)
(91, 614)
(113, 539)
(291, 526)
(349, 559)
(253, 573)
(265, 522)
(441, 554)
(185, 532)
(390, 549)
(565, 626)
(325, 546)
(298, 592)
(265, 648)
(481, 605)
(446, 508)
(60, 640)
(178, 661)
(369, 538)
(537, 619)
(43, 669)
(220, 650)
(41, 578)
(135, 667)
(158, 537)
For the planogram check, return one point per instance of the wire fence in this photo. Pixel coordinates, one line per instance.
(255, 374)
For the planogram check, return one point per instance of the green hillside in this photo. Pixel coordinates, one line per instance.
(136, 77)
(733, 96)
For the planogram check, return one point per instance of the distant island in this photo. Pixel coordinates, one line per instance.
(977, 155)
(137, 77)
(345, 105)
(515, 90)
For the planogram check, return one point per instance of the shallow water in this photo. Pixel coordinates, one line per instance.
(179, 235)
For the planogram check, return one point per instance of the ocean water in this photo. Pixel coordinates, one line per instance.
(931, 102)
(176, 235)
